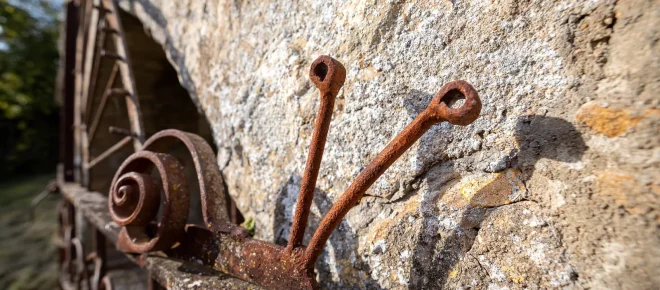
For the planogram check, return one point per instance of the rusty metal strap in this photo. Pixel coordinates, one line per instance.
(173, 274)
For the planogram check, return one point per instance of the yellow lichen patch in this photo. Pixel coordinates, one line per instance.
(622, 188)
(513, 275)
(454, 200)
(453, 273)
(494, 189)
(606, 121)
(392, 276)
(381, 230)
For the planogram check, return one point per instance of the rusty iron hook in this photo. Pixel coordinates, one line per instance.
(328, 75)
(227, 247)
(436, 112)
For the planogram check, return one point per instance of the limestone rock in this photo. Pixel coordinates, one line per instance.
(570, 98)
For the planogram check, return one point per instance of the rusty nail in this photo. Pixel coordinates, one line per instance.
(328, 75)
(134, 193)
(121, 131)
(81, 275)
(117, 92)
(109, 30)
(102, 9)
(112, 55)
(439, 110)
(51, 188)
(65, 235)
(98, 258)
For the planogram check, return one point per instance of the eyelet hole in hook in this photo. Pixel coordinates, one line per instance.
(321, 71)
(454, 99)
(459, 103)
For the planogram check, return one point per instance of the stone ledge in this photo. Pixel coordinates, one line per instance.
(170, 273)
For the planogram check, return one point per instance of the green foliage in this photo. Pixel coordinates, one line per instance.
(28, 66)
(249, 224)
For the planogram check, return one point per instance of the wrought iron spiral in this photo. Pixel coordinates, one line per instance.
(135, 202)
(137, 198)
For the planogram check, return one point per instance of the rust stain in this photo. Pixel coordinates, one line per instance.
(328, 75)
(439, 110)
(135, 195)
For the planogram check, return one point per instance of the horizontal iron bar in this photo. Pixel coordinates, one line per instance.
(94, 207)
(109, 151)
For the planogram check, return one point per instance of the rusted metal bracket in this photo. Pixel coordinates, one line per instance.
(135, 195)
(119, 271)
(78, 270)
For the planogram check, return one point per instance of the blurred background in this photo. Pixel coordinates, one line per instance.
(28, 143)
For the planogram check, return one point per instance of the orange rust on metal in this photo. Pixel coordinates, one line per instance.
(230, 251)
(437, 111)
(328, 75)
(118, 146)
(73, 264)
(211, 183)
(135, 197)
(111, 55)
(81, 275)
(267, 264)
(109, 30)
(227, 247)
(125, 72)
(65, 234)
(98, 258)
(121, 131)
(108, 92)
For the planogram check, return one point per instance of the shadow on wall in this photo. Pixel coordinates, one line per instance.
(537, 136)
(342, 237)
(341, 248)
(174, 55)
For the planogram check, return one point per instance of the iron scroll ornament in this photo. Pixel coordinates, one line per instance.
(135, 195)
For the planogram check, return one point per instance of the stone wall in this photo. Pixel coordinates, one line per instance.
(555, 185)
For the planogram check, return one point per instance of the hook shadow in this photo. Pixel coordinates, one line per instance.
(538, 137)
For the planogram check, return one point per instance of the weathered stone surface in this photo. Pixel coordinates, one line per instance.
(608, 122)
(570, 92)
